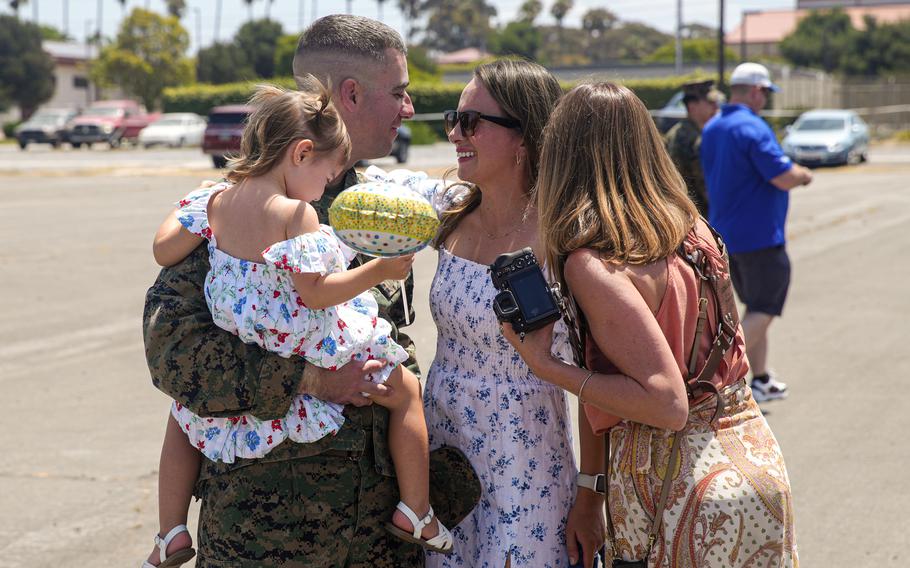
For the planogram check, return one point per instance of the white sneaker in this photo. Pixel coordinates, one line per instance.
(768, 389)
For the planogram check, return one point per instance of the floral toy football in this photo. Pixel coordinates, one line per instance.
(385, 219)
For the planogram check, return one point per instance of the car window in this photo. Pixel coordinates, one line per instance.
(227, 117)
(819, 124)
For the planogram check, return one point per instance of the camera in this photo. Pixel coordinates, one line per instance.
(525, 299)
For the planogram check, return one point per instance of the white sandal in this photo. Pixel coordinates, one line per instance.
(442, 542)
(178, 558)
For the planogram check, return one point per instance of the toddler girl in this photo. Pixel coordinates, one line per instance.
(279, 279)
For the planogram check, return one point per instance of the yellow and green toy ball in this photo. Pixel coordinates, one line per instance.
(383, 219)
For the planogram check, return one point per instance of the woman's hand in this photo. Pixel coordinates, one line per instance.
(536, 347)
(585, 527)
(394, 268)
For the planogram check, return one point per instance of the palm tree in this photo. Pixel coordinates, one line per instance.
(410, 9)
(379, 4)
(529, 10)
(176, 8)
(14, 5)
(559, 10)
(249, 5)
(122, 7)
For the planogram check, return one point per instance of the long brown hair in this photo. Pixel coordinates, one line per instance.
(280, 118)
(524, 91)
(606, 181)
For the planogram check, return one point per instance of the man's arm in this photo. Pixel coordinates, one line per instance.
(209, 370)
(794, 177)
(213, 373)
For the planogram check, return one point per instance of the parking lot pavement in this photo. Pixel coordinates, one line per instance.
(42, 160)
(82, 424)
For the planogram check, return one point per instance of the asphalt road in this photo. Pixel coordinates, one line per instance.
(83, 425)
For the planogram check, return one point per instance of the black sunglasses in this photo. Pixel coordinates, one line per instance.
(467, 120)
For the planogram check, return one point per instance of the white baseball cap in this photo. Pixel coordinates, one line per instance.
(752, 74)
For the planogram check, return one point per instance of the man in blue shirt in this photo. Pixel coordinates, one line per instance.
(748, 179)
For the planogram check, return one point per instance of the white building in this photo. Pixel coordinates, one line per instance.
(73, 87)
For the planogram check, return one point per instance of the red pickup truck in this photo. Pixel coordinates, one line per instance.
(113, 122)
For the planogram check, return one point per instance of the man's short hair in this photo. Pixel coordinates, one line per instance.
(343, 38)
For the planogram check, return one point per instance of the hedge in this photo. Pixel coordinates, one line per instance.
(427, 97)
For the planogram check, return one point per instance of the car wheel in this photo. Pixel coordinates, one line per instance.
(402, 155)
(55, 144)
(23, 144)
(115, 142)
(180, 143)
(854, 157)
(76, 144)
(220, 162)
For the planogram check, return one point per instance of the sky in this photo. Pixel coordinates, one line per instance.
(77, 16)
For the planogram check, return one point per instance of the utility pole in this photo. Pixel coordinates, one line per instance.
(314, 9)
(349, 4)
(35, 11)
(198, 13)
(66, 17)
(300, 14)
(720, 48)
(217, 18)
(679, 26)
(100, 16)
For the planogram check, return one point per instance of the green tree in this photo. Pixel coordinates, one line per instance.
(878, 49)
(176, 8)
(699, 31)
(249, 7)
(529, 11)
(456, 24)
(560, 9)
(284, 55)
(821, 39)
(26, 70)
(147, 56)
(629, 41)
(52, 33)
(598, 20)
(223, 63)
(258, 40)
(517, 38)
(694, 50)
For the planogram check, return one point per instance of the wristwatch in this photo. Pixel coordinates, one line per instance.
(596, 483)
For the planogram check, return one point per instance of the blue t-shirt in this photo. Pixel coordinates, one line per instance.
(740, 156)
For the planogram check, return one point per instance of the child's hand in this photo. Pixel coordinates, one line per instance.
(394, 268)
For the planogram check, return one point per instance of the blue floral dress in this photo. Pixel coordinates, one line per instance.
(258, 302)
(481, 397)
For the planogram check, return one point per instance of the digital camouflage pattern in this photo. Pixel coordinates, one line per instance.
(683, 143)
(300, 497)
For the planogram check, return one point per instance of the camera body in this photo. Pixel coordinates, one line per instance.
(525, 299)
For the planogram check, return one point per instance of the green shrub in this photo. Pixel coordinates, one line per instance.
(9, 129)
(423, 133)
(201, 98)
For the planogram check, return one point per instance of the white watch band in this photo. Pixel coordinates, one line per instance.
(596, 483)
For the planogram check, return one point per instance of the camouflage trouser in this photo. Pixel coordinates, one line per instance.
(323, 511)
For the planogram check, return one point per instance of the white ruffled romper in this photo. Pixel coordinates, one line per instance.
(258, 302)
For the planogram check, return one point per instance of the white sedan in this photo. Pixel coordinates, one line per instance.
(174, 129)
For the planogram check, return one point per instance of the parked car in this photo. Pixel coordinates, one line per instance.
(671, 113)
(113, 122)
(402, 145)
(47, 126)
(223, 133)
(174, 129)
(821, 137)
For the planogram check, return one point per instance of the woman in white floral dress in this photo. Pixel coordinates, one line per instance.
(479, 395)
(293, 296)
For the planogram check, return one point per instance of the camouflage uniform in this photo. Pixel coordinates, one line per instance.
(683, 142)
(318, 504)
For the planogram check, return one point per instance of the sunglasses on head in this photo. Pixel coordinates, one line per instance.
(467, 120)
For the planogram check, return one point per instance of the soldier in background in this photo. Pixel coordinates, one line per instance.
(683, 140)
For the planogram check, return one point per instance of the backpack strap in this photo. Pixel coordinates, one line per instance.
(699, 382)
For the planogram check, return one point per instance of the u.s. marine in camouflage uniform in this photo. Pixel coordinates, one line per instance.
(684, 139)
(322, 504)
